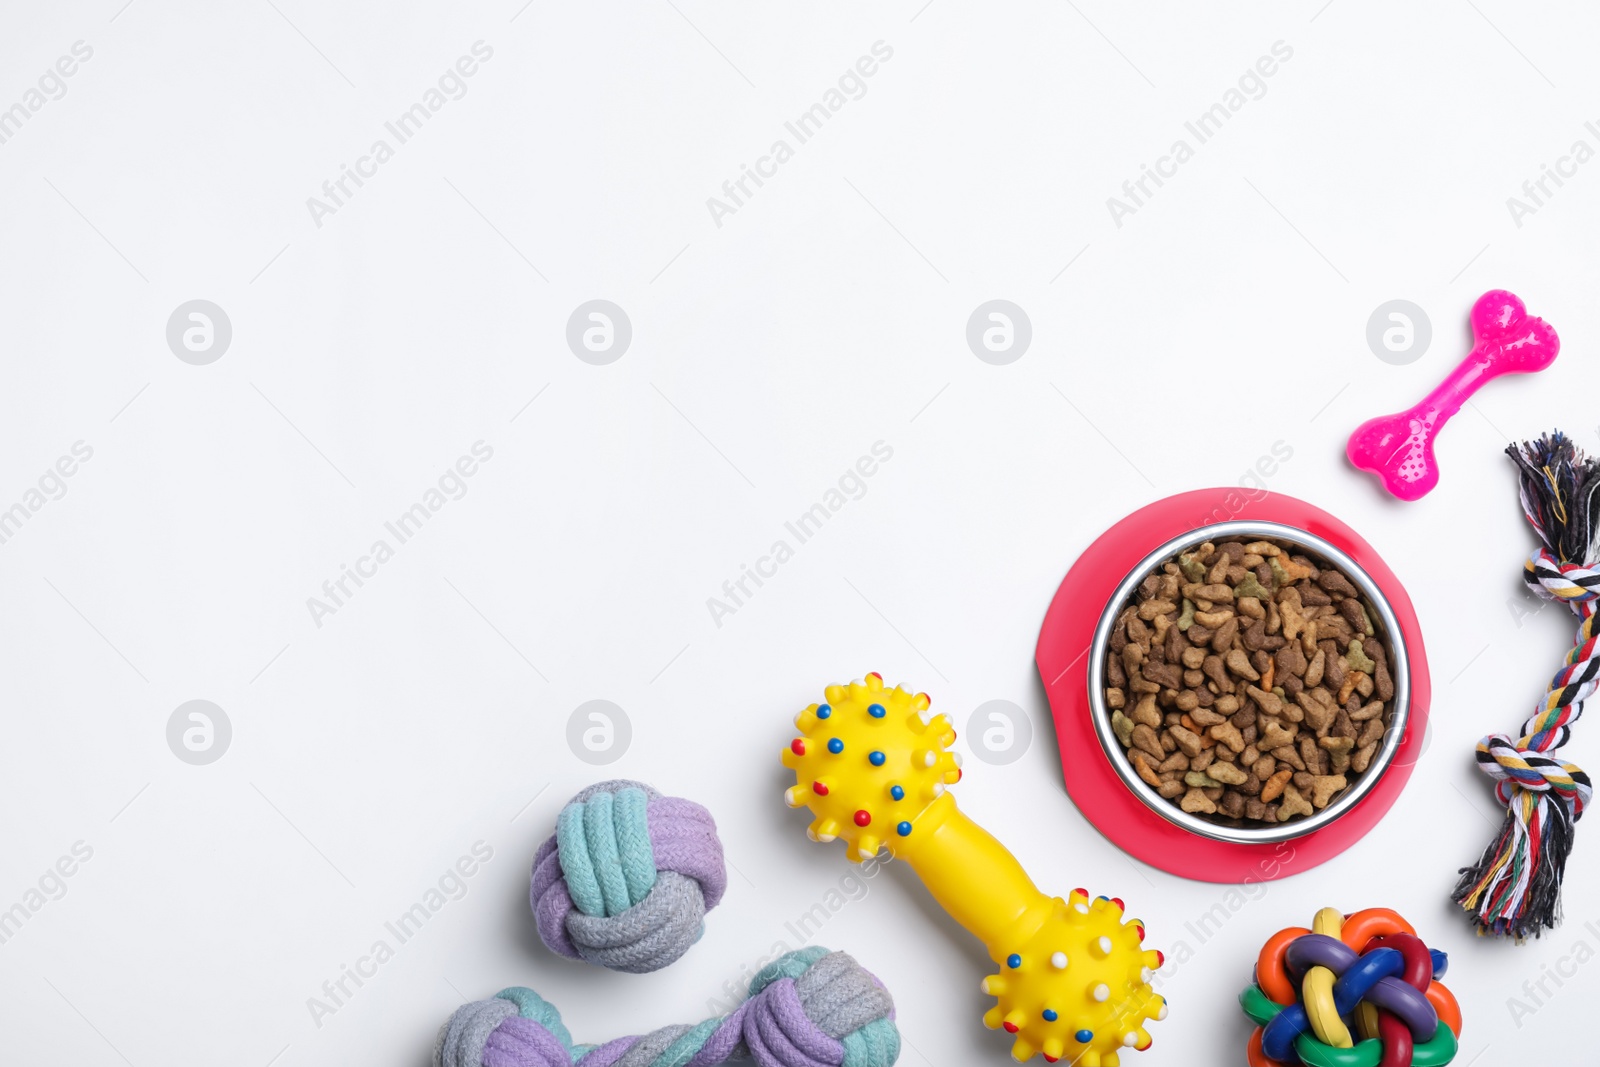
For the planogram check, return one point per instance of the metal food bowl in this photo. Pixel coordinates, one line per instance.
(1220, 827)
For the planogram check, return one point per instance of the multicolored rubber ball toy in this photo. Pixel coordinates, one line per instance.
(1368, 971)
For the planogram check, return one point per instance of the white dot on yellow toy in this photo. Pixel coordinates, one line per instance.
(873, 769)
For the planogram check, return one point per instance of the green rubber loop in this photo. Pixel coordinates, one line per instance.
(1314, 1053)
(1437, 1052)
(1256, 1004)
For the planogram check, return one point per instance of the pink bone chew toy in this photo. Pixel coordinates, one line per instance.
(1399, 448)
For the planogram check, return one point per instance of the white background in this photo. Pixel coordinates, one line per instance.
(768, 354)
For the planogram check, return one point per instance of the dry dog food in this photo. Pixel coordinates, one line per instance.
(1248, 683)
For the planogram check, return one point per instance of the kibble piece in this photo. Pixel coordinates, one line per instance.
(1141, 764)
(1239, 664)
(1146, 740)
(1251, 587)
(1270, 703)
(1186, 740)
(1229, 735)
(1291, 661)
(1172, 789)
(1227, 774)
(1123, 727)
(1333, 666)
(1292, 803)
(1324, 787)
(1195, 802)
(1382, 682)
(1350, 611)
(1314, 669)
(1151, 608)
(1274, 786)
(1222, 640)
(1334, 582)
(1276, 736)
(1294, 621)
(1232, 804)
(1367, 711)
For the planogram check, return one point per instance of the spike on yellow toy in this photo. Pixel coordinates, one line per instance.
(1074, 976)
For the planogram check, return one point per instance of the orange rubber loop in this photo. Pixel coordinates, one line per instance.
(1364, 925)
(1270, 974)
(1255, 1057)
(1444, 1002)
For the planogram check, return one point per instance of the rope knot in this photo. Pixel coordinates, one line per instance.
(1575, 584)
(626, 879)
(816, 1006)
(514, 1028)
(811, 1008)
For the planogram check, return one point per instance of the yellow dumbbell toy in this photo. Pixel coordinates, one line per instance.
(1074, 978)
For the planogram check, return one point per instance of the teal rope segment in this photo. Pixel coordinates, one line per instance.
(605, 851)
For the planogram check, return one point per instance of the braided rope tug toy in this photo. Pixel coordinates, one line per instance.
(1515, 887)
(627, 878)
(1074, 978)
(1369, 970)
(811, 1008)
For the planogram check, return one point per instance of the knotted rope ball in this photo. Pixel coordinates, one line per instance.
(627, 878)
(1515, 887)
(1368, 971)
(811, 1008)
